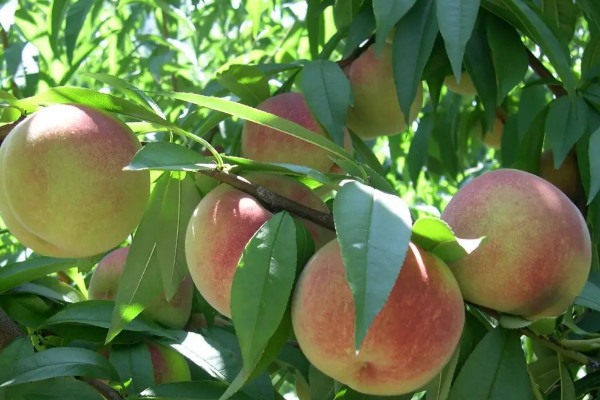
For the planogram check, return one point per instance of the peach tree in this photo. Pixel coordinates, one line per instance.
(300, 199)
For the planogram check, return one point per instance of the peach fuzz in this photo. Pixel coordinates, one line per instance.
(376, 110)
(538, 253)
(223, 223)
(410, 340)
(105, 281)
(261, 143)
(63, 191)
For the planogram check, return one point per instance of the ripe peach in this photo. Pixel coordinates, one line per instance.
(265, 144)
(410, 340)
(63, 191)
(538, 255)
(566, 177)
(105, 281)
(223, 223)
(376, 110)
(465, 87)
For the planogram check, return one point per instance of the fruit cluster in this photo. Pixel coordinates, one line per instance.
(79, 202)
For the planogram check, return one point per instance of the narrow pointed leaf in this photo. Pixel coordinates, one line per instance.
(495, 370)
(387, 14)
(374, 230)
(166, 156)
(593, 151)
(18, 273)
(439, 387)
(76, 16)
(413, 41)
(566, 123)
(456, 19)
(56, 362)
(262, 285)
(327, 93)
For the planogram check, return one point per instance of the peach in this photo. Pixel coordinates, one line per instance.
(538, 255)
(410, 340)
(223, 223)
(63, 191)
(566, 177)
(465, 87)
(169, 365)
(376, 110)
(265, 144)
(491, 139)
(105, 281)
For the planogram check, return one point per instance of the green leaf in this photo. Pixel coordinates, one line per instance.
(566, 123)
(513, 321)
(327, 92)
(481, 70)
(171, 203)
(524, 18)
(590, 62)
(128, 89)
(387, 14)
(434, 235)
(247, 82)
(419, 148)
(593, 151)
(255, 10)
(102, 101)
(413, 41)
(456, 19)
(361, 28)
(56, 362)
(133, 362)
(98, 313)
(57, 16)
(439, 387)
(196, 390)
(567, 388)
(344, 12)
(496, 370)
(167, 156)
(262, 285)
(530, 146)
(262, 118)
(591, 9)
(18, 273)
(562, 14)
(314, 25)
(366, 219)
(589, 296)
(52, 389)
(509, 55)
(76, 16)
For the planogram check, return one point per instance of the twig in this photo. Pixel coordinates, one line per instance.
(102, 388)
(539, 68)
(272, 200)
(356, 53)
(548, 341)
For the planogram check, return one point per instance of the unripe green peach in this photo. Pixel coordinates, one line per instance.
(376, 110)
(409, 341)
(538, 253)
(105, 281)
(223, 223)
(63, 191)
(265, 144)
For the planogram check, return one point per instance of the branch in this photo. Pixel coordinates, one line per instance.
(108, 392)
(539, 68)
(343, 63)
(548, 341)
(272, 200)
